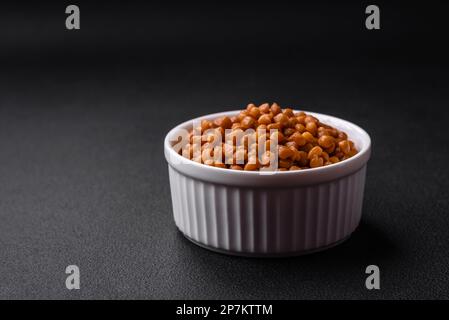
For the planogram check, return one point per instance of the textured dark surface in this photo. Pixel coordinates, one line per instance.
(83, 179)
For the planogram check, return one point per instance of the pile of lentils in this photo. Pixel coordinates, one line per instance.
(303, 141)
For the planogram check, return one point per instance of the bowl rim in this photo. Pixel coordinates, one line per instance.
(355, 162)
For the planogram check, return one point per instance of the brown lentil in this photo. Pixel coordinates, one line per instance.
(316, 162)
(264, 108)
(264, 119)
(285, 152)
(315, 152)
(326, 141)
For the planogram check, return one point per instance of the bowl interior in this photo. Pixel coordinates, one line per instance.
(355, 133)
(269, 179)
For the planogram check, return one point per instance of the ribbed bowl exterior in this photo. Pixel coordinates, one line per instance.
(264, 221)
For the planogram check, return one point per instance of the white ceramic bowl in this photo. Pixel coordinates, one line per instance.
(278, 214)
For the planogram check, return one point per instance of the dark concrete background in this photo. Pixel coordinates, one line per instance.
(83, 179)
